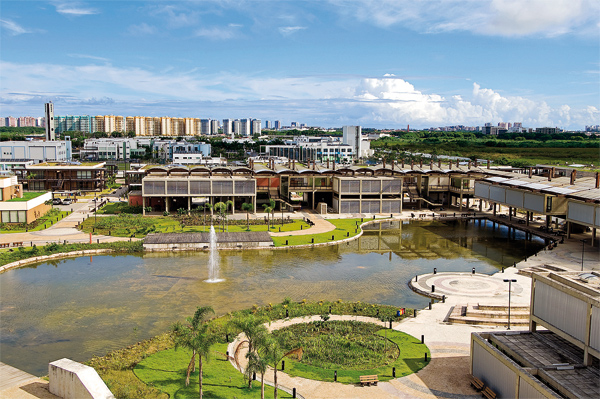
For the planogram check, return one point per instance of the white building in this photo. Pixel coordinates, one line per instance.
(256, 126)
(227, 127)
(352, 135)
(245, 127)
(112, 148)
(214, 126)
(36, 151)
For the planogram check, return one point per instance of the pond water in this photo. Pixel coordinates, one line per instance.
(88, 306)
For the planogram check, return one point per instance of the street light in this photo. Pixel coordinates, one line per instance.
(582, 251)
(509, 281)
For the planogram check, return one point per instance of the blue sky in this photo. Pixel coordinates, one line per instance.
(384, 63)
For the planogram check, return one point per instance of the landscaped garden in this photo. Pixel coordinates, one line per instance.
(160, 366)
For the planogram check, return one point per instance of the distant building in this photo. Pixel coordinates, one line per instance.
(112, 149)
(214, 126)
(547, 130)
(493, 130)
(256, 127)
(277, 125)
(227, 127)
(237, 127)
(267, 125)
(352, 135)
(63, 176)
(245, 127)
(49, 115)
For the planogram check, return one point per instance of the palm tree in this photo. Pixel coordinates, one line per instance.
(253, 328)
(269, 208)
(195, 336)
(273, 353)
(247, 207)
(256, 364)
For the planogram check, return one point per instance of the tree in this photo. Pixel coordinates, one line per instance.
(256, 364)
(247, 207)
(195, 336)
(253, 328)
(273, 354)
(269, 208)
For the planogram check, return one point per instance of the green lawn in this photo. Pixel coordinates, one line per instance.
(411, 360)
(125, 225)
(27, 195)
(166, 370)
(344, 228)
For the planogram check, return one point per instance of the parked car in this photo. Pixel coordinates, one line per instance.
(57, 201)
(67, 201)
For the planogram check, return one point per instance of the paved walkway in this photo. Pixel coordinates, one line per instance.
(17, 384)
(320, 226)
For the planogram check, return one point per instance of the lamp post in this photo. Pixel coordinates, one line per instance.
(509, 281)
(582, 252)
(95, 207)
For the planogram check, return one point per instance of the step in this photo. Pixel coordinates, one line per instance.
(468, 314)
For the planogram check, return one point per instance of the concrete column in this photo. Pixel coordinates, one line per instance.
(494, 209)
(548, 217)
(189, 204)
(593, 237)
(568, 229)
(233, 206)
(510, 213)
(526, 218)
(253, 199)
(480, 205)
(143, 206)
(167, 204)
(460, 205)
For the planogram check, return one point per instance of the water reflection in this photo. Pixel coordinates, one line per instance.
(79, 307)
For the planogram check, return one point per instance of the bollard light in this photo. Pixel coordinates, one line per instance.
(335, 376)
(422, 339)
(432, 288)
(435, 270)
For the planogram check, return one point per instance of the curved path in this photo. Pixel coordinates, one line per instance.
(320, 226)
(429, 382)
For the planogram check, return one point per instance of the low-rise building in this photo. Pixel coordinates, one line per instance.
(561, 361)
(63, 176)
(17, 206)
(36, 151)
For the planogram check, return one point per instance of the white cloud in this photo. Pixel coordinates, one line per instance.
(73, 9)
(86, 56)
(218, 33)
(325, 100)
(13, 28)
(288, 30)
(395, 100)
(489, 17)
(142, 29)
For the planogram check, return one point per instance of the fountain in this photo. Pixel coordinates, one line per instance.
(213, 259)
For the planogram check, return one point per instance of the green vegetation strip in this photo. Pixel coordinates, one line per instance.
(167, 369)
(21, 253)
(352, 349)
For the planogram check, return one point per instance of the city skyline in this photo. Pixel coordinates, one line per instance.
(381, 64)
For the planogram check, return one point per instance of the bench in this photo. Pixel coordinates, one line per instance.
(477, 383)
(488, 393)
(5, 245)
(368, 380)
(18, 244)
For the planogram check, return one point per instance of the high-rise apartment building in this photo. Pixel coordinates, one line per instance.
(245, 127)
(214, 126)
(227, 127)
(255, 127)
(205, 127)
(267, 125)
(237, 127)
(277, 125)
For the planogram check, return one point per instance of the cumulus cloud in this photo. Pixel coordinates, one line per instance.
(321, 100)
(489, 17)
(395, 100)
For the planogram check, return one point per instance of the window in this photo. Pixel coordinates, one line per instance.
(548, 204)
(14, 217)
(84, 174)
